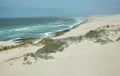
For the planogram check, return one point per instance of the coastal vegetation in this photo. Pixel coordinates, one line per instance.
(21, 43)
(51, 46)
(118, 39)
(93, 34)
(45, 41)
(103, 41)
(99, 35)
(3, 48)
(73, 39)
(59, 33)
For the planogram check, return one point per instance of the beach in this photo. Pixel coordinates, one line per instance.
(85, 54)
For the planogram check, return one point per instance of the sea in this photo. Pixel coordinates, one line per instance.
(37, 27)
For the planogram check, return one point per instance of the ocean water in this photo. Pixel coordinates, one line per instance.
(15, 28)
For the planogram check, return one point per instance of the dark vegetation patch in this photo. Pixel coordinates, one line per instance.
(21, 43)
(26, 40)
(45, 41)
(52, 47)
(3, 48)
(59, 33)
(95, 34)
(103, 41)
(74, 39)
(118, 39)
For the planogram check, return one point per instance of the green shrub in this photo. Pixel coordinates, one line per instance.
(46, 41)
(103, 41)
(0, 49)
(52, 47)
(10, 47)
(118, 39)
(94, 34)
(74, 39)
(59, 33)
(26, 40)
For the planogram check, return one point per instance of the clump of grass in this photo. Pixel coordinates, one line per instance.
(43, 56)
(25, 41)
(52, 47)
(8, 47)
(11, 46)
(29, 54)
(95, 34)
(27, 60)
(103, 41)
(118, 39)
(59, 33)
(107, 26)
(73, 39)
(13, 58)
(20, 44)
(46, 41)
(92, 34)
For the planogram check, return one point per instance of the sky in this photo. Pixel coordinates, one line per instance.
(36, 8)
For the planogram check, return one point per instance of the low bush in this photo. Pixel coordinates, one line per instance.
(92, 34)
(95, 34)
(118, 39)
(52, 47)
(59, 33)
(103, 41)
(74, 39)
(11, 46)
(46, 41)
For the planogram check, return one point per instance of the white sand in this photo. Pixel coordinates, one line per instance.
(82, 59)
(4, 43)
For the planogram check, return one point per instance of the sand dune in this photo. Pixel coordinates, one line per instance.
(79, 59)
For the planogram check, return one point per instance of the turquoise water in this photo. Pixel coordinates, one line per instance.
(15, 28)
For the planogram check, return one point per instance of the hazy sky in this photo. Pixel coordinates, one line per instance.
(34, 8)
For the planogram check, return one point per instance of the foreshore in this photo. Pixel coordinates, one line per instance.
(90, 49)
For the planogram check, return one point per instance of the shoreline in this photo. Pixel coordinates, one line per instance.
(60, 33)
(54, 34)
(45, 34)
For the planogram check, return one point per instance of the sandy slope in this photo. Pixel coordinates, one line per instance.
(82, 59)
(17, 52)
(4, 43)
